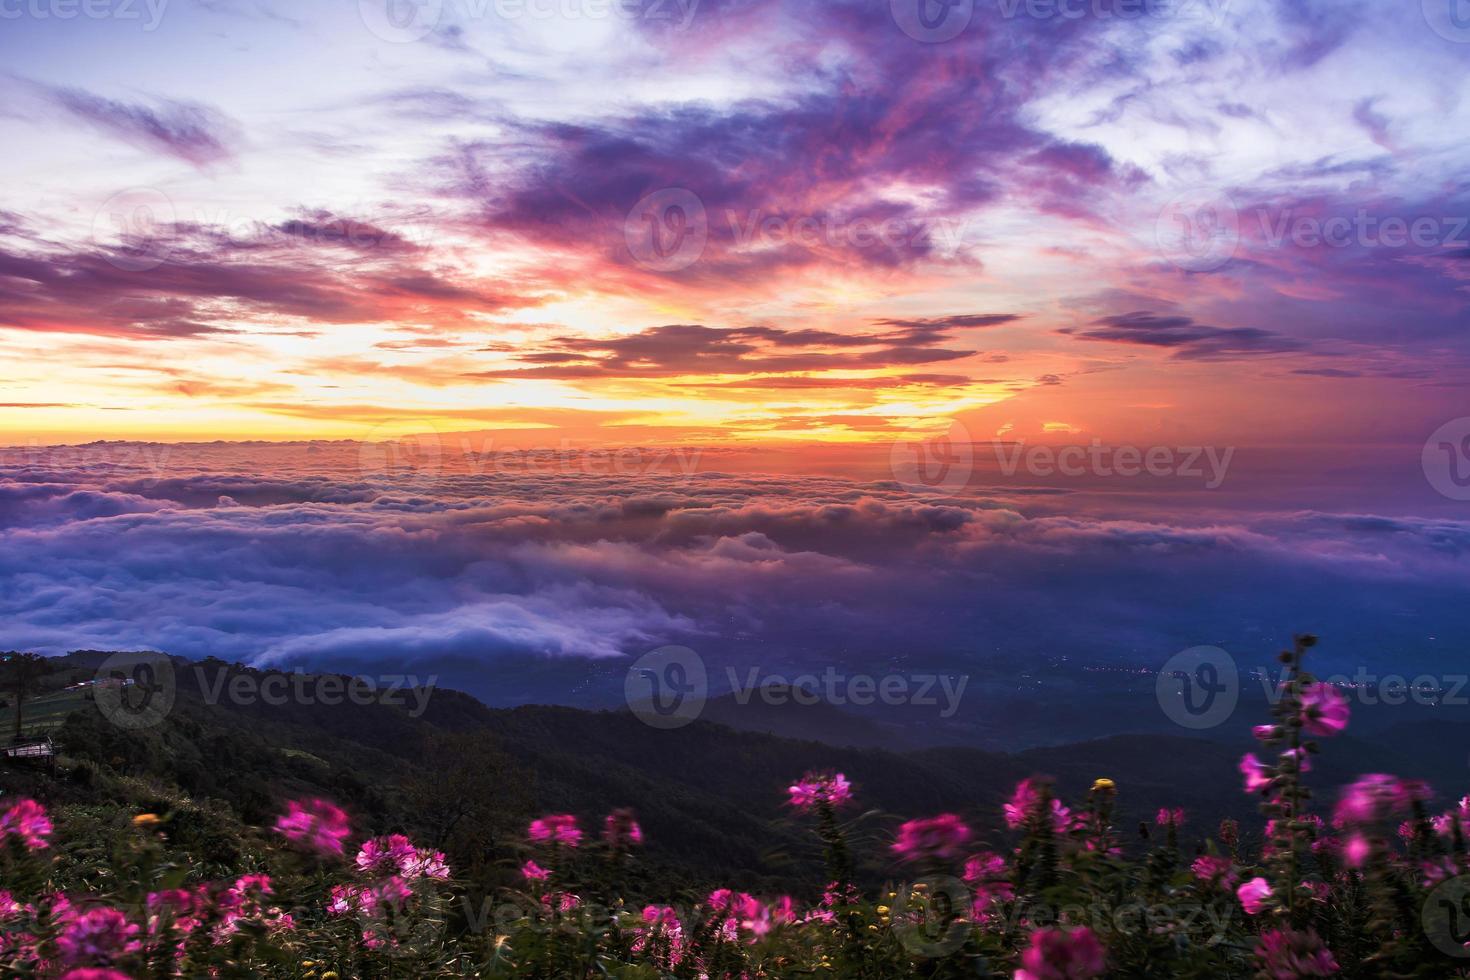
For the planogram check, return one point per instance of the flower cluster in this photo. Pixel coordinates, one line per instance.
(1024, 892)
(27, 823)
(817, 789)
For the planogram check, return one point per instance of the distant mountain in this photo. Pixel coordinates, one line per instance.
(711, 797)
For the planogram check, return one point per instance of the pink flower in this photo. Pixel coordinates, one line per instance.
(1170, 818)
(783, 910)
(561, 901)
(1253, 895)
(532, 871)
(557, 829)
(317, 824)
(1287, 955)
(389, 893)
(939, 837)
(385, 855)
(1355, 852)
(1257, 776)
(426, 864)
(1377, 797)
(986, 867)
(1324, 709)
(97, 935)
(1216, 871)
(752, 916)
(396, 855)
(621, 830)
(9, 906)
(1438, 870)
(990, 877)
(1059, 954)
(661, 916)
(178, 909)
(342, 899)
(27, 820)
(1026, 806)
(1266, 732)
(813, 789)
(89, 973)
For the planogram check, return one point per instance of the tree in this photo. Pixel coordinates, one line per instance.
(22, 672)
(470, 796)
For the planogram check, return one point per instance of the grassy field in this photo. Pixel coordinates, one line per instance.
(43, 714)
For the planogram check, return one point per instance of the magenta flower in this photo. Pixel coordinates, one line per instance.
(1356, 851)
(386, 855)
(97, 935)
(1324, 709)
(1377, 797)
(426, 864)
(1216, 871)
(1257, 776)
(561, 901)
(1170, 818)
(1287, 955)
(342, 899)
(556, 829)
(661, 916)
(620, 830)
(27, 820)
(1060, 954)
(91, 973)
(1026, 805)
(813, 789)
(316, 824)
(532, 871)
(990, 877)
(938, 837)
(1253, 895)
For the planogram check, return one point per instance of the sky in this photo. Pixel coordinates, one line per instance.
(514, 338)
(732, 220)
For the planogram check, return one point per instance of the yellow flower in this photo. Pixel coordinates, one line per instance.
(147, 820)
(883, 910)
(1103, 786)
(330, 975)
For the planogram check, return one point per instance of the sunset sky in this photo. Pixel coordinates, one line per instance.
(776, 245)
(251, 219)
